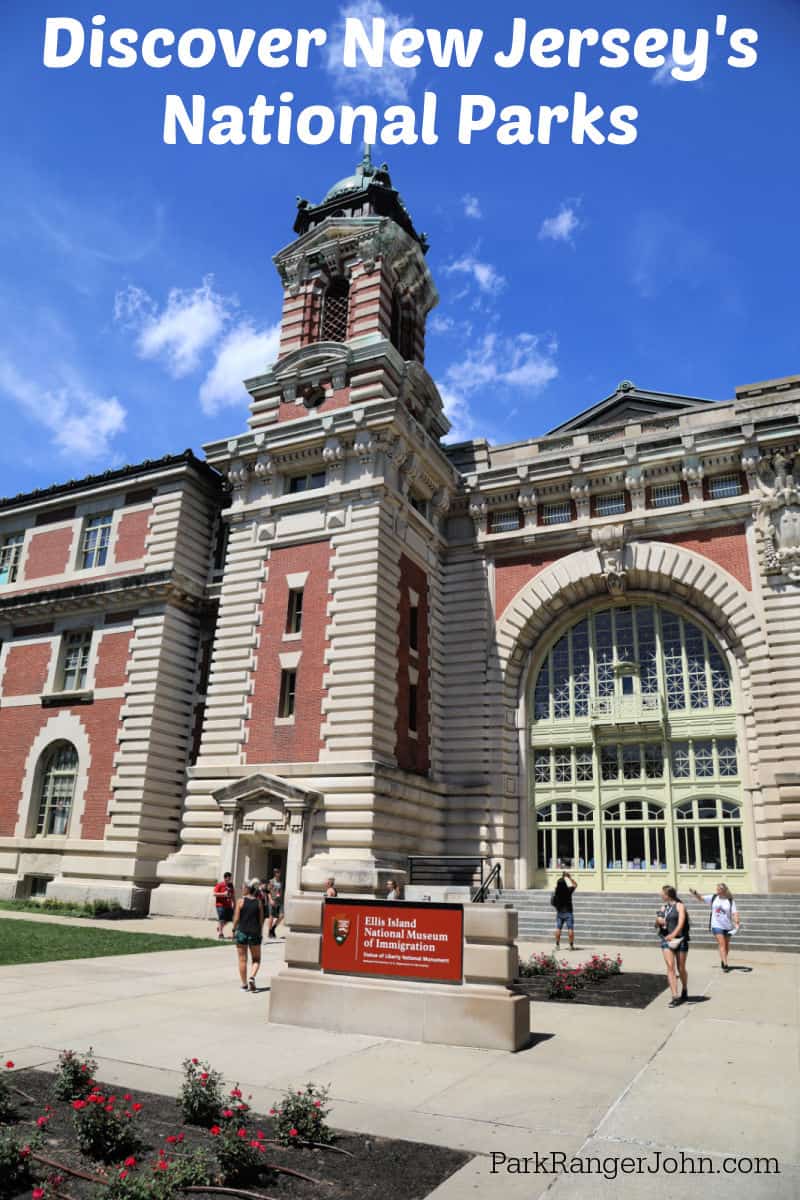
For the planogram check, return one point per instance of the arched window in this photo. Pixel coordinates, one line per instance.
(335, 311)
(57, 788)
(709, 835)
(566, 836)
(402, 327)
(635, 836)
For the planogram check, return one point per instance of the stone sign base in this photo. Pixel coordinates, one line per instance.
(479, 1012)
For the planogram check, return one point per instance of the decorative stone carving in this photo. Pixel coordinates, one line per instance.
(478, 510)
(333, 456)
(635, 484)
(364, 446)
(440, 502)
(263, 468)
(238, 474)
(751, 457)
(609, 541)
(527, 501)
(692, 472)
(581, 494)
(778, 514)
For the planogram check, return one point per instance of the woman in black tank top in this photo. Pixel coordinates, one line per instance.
(672, 922)
(248, 924)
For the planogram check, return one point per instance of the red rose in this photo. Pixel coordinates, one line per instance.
(38, 1194)
(9, 1064)
(41, 1122)
(293, 1133)
(195, 1061)
(123, 1175)
(242, 1133)
(24, 1151)
(227, 1112)
(137, 1107)
(79, 1104)
(215, 1131)
(317, 1104)
(130, 1162)
(204, 1076)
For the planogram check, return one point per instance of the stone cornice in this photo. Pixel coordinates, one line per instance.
(104, 596)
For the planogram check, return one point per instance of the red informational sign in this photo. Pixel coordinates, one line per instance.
(400, 939)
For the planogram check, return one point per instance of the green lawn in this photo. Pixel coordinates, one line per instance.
(41, 941)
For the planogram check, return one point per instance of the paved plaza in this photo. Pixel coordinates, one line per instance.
(717, 1077)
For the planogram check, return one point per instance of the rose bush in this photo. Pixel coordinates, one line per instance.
(104, 1131)
(300, 1117)
(74, 1075)
(16, 1161)
(8, 1107)
(200, 1098)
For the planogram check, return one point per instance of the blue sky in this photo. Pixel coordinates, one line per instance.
(138, 285)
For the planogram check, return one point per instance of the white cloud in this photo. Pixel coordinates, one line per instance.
(246, 351)
(561, 227)
(662, 76)
(472, 207)
(389, 82)
(526, 362)
(439, 323)
(80, 423)
(487, 277)
(189, 322)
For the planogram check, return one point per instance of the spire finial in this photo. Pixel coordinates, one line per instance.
(366, 161)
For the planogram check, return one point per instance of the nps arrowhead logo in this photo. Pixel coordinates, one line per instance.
(341, 929)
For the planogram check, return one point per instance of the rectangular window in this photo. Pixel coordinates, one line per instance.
(726, 755)
(412, 708)
(703, 760)
(653, 761)
(609, 766)
(631, 762)
(413, 627)
(75, 661)
(10, 554)
(287, 694)
(541, 766)
(687, 852)
(96, 536)
(420, 505)
(681, 762)
(724, 485)
(664, 495)
(556, 513)
(505, 521)
(583, 764)
(563, 765)
(307, 483)
(294, 613)
(609, 504)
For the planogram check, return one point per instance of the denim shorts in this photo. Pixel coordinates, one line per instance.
(727, 932)
(224, 914)
(564, 918)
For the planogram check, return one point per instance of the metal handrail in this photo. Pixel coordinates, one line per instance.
(483, 891)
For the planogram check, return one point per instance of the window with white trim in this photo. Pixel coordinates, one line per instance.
(308, 482)
(720, 486)
(96, 537)
(57, 789)
(565, 836)
(10, 554)
(505, 520)
(635, 836)
(709, 835)
(294, 614)
(664, 495)
(287, 694)
(75, 651)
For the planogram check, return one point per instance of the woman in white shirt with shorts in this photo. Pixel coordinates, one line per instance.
(724, 919)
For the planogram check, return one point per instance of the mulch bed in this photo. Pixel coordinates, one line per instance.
(630, 989)
(380, 1169)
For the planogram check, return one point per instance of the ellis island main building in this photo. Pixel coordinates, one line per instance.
(338, 642)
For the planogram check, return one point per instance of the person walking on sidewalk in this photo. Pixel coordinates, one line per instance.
(224, 902)
(275, 894)
(672, 922)
(248, 931)
(562, 903)
(723, 920)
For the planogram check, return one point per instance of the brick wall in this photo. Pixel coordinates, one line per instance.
(289, 411)
(18, 728)
(412, 753)
(102, 723)
(300, 741)
(26, 668)
(112, 659)
(512, 574)
(727, 547)
(132, 534)
(48, 553)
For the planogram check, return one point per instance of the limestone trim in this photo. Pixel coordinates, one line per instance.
(67, 727)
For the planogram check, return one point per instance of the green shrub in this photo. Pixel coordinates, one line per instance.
(239, 1153)
(8, 1107)
(16, 1164)
(74, 1075)
(300, 1117)
(200, 1098)
(541, 964)
(159, 1180)
(103, 1131)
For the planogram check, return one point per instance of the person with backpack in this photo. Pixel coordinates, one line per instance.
(561, 901)
(723, 920)
(248, 930)
(224, 902)
(672, 923)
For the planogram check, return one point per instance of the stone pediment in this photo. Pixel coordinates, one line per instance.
(628, 403)
(265, 804)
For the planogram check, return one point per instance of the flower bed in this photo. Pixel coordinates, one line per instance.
(599, 980)
(92, 1142)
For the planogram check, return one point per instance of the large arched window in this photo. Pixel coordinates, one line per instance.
(635, 836)
(335, 311)
(709, 835)
(566, 836)
(633, 659)
(59, 774)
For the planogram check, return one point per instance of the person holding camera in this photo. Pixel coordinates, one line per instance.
(723, 921)
(672, 923)
(562, 903)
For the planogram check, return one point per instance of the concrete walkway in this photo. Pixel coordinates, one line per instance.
(716, 1077)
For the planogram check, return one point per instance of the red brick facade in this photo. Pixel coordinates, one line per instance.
(727, 547)
(512, 574)
(102, 722)
(112, 660)
(268, 740)
(26, 669)
(412, 753)
(132, 535)
(48, 553)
